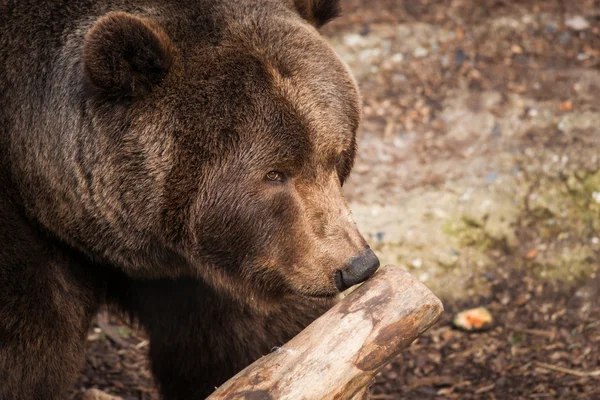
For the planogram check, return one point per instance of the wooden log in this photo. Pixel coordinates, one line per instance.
(338, 355)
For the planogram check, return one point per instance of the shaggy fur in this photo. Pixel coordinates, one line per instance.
(136, 141)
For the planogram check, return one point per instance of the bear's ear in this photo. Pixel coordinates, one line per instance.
(318, 12)
(124, 55)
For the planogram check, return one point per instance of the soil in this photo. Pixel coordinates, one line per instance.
(478, 172)
(534, 323)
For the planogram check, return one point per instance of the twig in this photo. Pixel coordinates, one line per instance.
(591, 325)
(109, 331)
(485, 388)
(583, 374)
(536, 332)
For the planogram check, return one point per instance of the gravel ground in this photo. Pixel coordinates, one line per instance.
(479, 137)
(478, 171)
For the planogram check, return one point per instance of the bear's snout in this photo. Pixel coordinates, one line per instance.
(358, 270)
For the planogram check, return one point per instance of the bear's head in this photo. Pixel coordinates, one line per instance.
(218, 141)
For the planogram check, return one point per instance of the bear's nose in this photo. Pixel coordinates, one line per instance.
(358, 270)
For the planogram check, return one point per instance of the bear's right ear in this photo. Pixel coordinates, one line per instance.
(124, 56)
(318, 12)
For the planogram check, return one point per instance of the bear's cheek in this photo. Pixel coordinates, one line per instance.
(243, 227)
(265, 237)
(287, 248)
(271, 227)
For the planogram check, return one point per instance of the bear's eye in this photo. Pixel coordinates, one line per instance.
(338, 159)
(275, 176)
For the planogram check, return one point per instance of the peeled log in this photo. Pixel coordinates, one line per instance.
(338, 355)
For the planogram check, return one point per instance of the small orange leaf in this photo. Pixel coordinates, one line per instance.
(474, 319)
(566, 106)
(531, 254)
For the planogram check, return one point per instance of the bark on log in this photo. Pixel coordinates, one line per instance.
(338, 355)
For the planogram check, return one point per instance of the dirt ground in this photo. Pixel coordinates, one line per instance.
(539, 326)
(478, 171)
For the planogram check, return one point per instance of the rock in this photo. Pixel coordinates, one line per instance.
(564, 37)
(586, 296)
(496, 131)
(577, 23)
(420, 52)
(491, 177)
(459, 57)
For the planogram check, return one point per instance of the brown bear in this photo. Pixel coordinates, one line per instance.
(181, 162)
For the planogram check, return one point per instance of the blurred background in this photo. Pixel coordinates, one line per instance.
(478, 171)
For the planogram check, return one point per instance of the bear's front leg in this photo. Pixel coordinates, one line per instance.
(47, 300)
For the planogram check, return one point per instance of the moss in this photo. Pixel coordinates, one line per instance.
(482, 230)
(564, 212)
(495, 233)
(565, 264)
(561, 216)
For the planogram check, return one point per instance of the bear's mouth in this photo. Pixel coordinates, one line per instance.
(320, 296)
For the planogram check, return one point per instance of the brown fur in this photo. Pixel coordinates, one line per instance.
(135, 139)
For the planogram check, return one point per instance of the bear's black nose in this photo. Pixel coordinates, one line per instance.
(358, 270)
